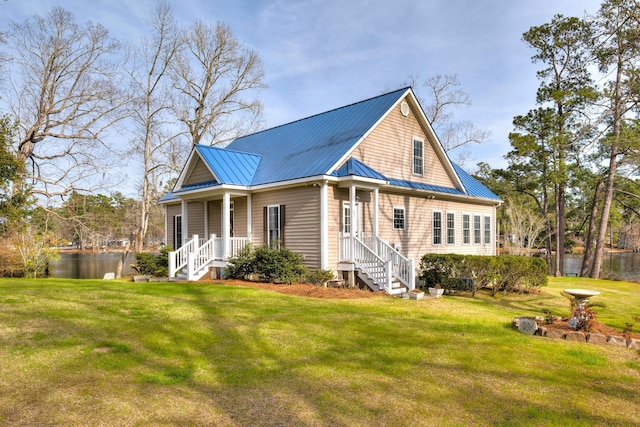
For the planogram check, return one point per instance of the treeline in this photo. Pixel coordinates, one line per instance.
(572, 175)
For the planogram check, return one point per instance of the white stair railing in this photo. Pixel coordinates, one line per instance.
(377, 268)
(178, 258)
(402, 268)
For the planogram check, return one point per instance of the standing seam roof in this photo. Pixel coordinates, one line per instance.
(311, 146)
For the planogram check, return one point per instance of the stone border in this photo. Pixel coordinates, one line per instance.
(529, 325)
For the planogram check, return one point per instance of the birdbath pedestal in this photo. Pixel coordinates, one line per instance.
(581, 296)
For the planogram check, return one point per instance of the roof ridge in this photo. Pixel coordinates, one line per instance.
(324, 112)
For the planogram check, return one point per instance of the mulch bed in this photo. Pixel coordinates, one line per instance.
(596, 328)
(304, 290)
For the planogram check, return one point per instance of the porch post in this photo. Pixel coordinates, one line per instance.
(375, 212)
(249, 217)
(226, 205)
(324, 226)
(352, 208)
(185, 222)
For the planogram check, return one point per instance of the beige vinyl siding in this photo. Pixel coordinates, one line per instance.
(302, 220)
(417, 238)
(172, 211)
(195, 222)
(215, 217)
(240, 217)
(389, 150)
(199, 173)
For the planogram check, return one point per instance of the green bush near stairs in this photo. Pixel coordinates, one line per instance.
(270, 264)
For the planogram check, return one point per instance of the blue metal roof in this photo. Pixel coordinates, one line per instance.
(422, 186)
(230, 167)
(168, 197)
(208, 184)
(354, 167)
(473, 186)
(311, 146)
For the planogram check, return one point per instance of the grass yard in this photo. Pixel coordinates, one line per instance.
(93, 352)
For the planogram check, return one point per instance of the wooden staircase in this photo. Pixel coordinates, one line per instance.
(377, 264)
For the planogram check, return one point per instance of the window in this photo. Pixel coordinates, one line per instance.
(437, 228)
(274, 225)
(418, 157)
(476, 230)
(346, 214)
(487, 230)
(398, 218)
(466, 230)
(451, 228)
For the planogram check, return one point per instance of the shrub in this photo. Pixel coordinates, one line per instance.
(154, 264)
(472, 272)
(242, 266)
(270, 264)
(319, 276)
(278, 265)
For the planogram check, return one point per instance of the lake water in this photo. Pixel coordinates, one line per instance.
(88, 265)
(615, 265)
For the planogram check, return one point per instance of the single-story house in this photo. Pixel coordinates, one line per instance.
(363, 190)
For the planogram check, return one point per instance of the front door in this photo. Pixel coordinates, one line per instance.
(350, 222)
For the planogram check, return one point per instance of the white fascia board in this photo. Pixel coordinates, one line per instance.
(188, 167)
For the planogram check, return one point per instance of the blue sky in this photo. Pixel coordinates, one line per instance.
(319, 55)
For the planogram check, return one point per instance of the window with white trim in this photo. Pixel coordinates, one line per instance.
(346, 218)
(487, 230)
(451, 228)
(273, 221)
(398, 218)
(466, 229)
(476, 230)
(418, 157)
(437, 228)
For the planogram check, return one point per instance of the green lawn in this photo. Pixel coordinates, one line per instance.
(93, 352)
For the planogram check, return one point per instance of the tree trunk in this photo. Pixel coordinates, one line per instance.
(587, 258)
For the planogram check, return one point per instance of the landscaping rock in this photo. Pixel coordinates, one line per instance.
(576, 336)
(141, 278)
(616, 340)
(555, 333)
(596, 339)
(633, 344)
(109, 276)
(542, 331)
(515, 324)
(528, 325)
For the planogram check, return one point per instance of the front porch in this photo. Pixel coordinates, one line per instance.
(194, 258)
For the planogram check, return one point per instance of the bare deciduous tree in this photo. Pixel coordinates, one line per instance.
(154, 134)
(63, 92)
(525, 225)
(445, 96)
(214, 78)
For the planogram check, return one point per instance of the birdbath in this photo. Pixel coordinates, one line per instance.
(581, 296)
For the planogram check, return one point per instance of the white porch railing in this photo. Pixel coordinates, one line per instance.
(197, 254)
(394, 263)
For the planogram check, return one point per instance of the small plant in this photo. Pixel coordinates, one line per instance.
(548, 317)
(628, 328)
(583, 319)
(319, 276)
